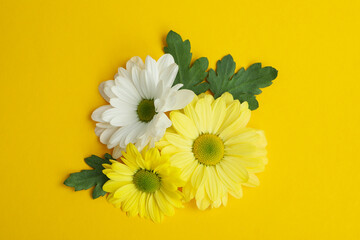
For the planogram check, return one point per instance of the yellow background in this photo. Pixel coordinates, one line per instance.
(54, 54)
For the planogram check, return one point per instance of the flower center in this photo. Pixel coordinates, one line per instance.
(208, 149)
(146, 181)
(146, 110)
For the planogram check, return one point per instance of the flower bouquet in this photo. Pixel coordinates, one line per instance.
(178, 132)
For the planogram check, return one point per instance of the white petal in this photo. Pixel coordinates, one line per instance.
(181, 99)
(105, 136)
(126, 91)
(165, 100)
(135, 75)
(159, 91)
(117, 152)
(134, 62)
(103, 125)
(177, 86)
(124, 119)
(105, 89)
(119, 136)
(122, 72)
(152, 70)
(142, 141)
(99, 130)
(162, 122)
(168, 75)
(97, 114)
(148, 84)
(137, 130)
(127, 134)
(111, 113)
(165, 61)
(123, 106)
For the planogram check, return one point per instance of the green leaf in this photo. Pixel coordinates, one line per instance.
(191, 76)
(88, 178)
(244, 84)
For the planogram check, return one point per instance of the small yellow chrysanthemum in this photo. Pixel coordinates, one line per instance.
(215, 151)
(146, 185)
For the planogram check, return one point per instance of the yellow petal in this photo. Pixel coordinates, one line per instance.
(253, 181)
(224, 199)
(225, 179)
(211, 185)
(236, 191)
(151, 158)
(248, 135)
(178, 141)
(184, 125)
(124, 191)
(132, 150)
(232, 113)
(112, 186)
(130, 203)
(189, 111)
(143, 152)
(181, 159)
(245, 150)
(116, 202)
(119, 177)
(187, 170)
(197, 175)
(163, 204)
(161, 144)
(256, 164)
(227, 97)
(172, 197)
(202, 200)
(200, 191)
(204, 111)
(121, 168)
(218, 115)
(233, 188)
(107, 166)
(188, 192)
(209, 98)
(142, 204)
(168, 185)
(235, 170)
(159, 216)
(170, 149)
(153, 210)
(140, 161)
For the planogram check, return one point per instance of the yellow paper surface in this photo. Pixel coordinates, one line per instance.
(54, 54)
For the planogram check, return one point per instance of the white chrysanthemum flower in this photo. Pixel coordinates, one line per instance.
(139, 97)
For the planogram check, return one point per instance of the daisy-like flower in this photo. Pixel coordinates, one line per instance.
(216, 152)
(139, 97)
(145, 185)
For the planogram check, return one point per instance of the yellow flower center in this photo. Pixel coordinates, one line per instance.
(146, 181)
(208, 149)
(146, 110)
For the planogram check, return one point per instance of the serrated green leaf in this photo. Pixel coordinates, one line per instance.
(107, 156)
(191, 77)
(86, 179)
(244, 84)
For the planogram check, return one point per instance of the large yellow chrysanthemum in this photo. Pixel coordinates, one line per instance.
(216, 152)
(145, 185)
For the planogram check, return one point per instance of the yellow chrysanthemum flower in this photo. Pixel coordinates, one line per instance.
(216, 152)
(145, 184)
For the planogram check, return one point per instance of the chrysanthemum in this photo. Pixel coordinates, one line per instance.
(145, 185)
(216, 152)
(138, 97)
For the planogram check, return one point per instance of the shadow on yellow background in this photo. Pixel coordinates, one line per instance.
(54, 54)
